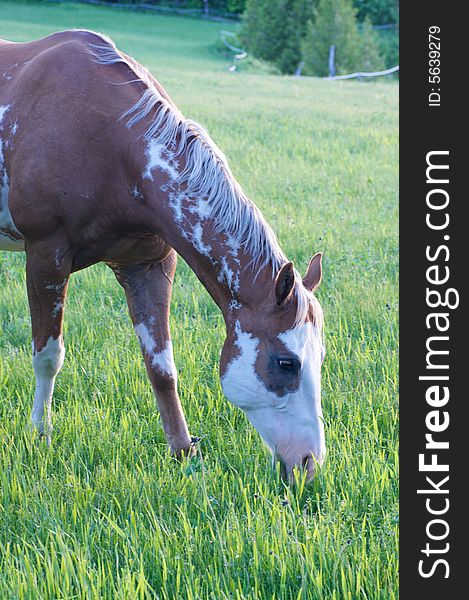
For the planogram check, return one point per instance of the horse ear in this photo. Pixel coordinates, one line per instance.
(284, 283)
(314, 273)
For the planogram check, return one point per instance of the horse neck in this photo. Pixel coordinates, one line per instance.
(232, 276)
(190, 195)
(201, 211)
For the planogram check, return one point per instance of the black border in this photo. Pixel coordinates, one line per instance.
(423, 129)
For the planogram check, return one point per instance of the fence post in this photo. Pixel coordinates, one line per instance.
(332, 61)
(299, 68)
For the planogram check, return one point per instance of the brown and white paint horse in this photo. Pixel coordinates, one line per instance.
(98, 164)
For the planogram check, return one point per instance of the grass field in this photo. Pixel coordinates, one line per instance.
(105, 512)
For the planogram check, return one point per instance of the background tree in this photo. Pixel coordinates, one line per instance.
(383, 12)
(371, 57)
(281, 31)
(295, 15)
(273, 30)
(334, 24)
(235, 6)
(379, 12)
(227, 6)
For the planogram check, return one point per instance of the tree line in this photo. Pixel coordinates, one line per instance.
(289, 33)
(378, 11)
(298, 34)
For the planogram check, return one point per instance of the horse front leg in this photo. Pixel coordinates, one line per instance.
(148, 291)
(47, 274)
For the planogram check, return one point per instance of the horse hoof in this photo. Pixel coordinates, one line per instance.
(43, 434)
(40, 436)
(184, 452)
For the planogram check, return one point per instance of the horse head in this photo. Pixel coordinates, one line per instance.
(271, 367)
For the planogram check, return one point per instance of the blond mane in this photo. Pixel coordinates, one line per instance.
(206, 175)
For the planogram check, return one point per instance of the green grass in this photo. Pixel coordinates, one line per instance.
(105, 513)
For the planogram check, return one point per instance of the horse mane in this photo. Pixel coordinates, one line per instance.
(206, 175)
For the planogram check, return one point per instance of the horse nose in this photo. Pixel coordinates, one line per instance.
(306, 459)
(308, 464)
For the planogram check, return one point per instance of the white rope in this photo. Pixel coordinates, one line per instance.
(224, 34)
(240, 53)
(365, 74)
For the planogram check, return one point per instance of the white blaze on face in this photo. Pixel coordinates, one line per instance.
(304, 405)
(163, 360)
(291, 425)
(240, 383)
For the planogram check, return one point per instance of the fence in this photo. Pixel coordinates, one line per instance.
(332, 74)
(240, 54)
(365, 74)
(204, 12)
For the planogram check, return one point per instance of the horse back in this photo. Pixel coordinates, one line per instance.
(62, 136)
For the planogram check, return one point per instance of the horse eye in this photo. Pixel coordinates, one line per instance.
(285, 364)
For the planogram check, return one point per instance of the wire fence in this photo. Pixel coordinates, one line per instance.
(364, 74)
(200, 13)
(240, 54)
(332, 75)
(204, 11)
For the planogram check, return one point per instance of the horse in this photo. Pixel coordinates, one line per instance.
(97, 164)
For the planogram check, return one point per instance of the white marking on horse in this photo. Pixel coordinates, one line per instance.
(163, 360)
(13, 130)
(136, 193)
(201, 208)
(232, 245)
(157, 158)
(226, 274)
(240, 382)
(175, 202)
(236, 282)
(47, 363)
(56, 309)
(234, 304)
(292, 424)
(198, 242)
(58, 287)
(58, 258)
(146, 341)
(10, 237)
(305, 405)
(3, 109)
(7, 75)
(206, 174)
